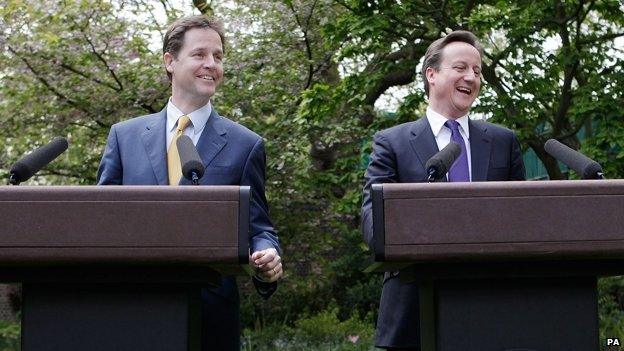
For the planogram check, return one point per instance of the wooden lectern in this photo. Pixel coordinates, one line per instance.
(503, 265)
(119, 267)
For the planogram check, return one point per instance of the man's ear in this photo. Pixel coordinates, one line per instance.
(430, 75)
(169, 62)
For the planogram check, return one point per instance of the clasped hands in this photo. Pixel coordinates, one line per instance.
(267, 264)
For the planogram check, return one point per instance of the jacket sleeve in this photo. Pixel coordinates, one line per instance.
(381, 169)
(110, 170)
(263, 236)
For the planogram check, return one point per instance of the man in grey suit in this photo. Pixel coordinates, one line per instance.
(452, 77)
(137, 154)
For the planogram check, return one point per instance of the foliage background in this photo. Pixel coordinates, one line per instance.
(316, 78)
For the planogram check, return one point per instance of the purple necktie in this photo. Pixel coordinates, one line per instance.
(459, 170)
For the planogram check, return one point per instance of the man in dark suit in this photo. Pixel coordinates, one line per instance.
(139, 152)
(452, 77)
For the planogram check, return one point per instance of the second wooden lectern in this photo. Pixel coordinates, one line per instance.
(119, 268)
(503, 265)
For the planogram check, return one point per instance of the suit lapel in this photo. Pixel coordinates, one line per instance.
(154, 140)
(423, 141)
(212, 139)
(480, 148)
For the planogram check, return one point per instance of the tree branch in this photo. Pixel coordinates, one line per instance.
(43, 81)
(306, 40)
(574, 131)
(103, 60)
(470, 4)
(87, 76)
(204, 7)
(606, 37)
(396, 77)
(401, 75)
(355, 12)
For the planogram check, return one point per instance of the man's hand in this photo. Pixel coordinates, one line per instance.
(268, 264)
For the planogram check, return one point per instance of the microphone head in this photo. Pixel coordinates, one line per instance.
(189, 158)
(441, 162)
(30, 164)
(193, 166)
(579, 163)
(592, 170)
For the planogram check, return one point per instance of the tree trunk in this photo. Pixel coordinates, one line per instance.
(551, 164)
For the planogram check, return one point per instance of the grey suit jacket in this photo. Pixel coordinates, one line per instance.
(399, 156)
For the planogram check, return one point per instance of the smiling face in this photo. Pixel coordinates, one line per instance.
(455, 85)
(197, 70)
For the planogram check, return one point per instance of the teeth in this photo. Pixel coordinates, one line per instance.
(464, 90)
(207, 77)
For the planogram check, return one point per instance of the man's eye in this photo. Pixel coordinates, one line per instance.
(459, 68)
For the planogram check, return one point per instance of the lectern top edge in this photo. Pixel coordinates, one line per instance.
(121, 193)
(506, 188)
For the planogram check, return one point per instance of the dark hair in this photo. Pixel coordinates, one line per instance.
(174, 38)
(433, 56)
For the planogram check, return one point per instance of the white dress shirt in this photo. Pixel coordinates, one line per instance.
(198, 119)
(442, 133)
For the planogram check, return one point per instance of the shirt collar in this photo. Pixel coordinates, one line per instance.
(436, 121)
(198, 117)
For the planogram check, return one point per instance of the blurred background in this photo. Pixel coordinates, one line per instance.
(315, 78)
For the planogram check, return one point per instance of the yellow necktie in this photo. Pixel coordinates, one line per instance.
(173, 158)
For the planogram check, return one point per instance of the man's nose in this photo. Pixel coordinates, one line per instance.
(209, 62)
(470, 76)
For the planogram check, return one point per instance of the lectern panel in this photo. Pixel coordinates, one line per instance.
(130, 225)
(537, 220)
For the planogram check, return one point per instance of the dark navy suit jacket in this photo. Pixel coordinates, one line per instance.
(136, 154)
(399, 156)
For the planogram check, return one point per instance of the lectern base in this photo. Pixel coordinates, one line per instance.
(110, 317)
(528, 314)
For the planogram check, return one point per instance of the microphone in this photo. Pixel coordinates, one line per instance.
(192, 166)
(30, 164)
(581, 164)
(439, 164)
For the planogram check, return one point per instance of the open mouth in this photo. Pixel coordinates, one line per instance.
(209, 78)
(464, 90)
